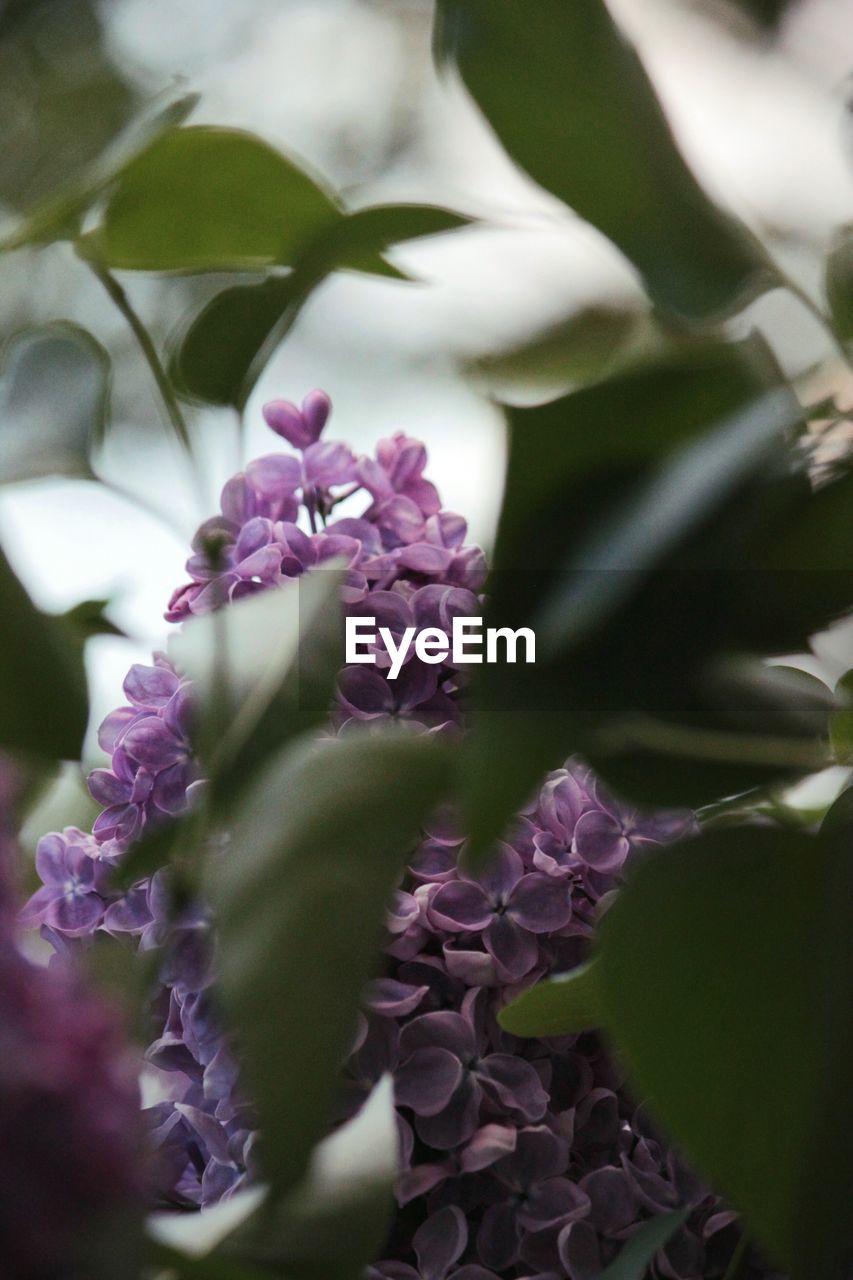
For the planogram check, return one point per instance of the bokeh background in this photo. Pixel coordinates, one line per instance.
(349, 88)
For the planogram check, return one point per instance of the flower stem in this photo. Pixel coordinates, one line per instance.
(146, 346)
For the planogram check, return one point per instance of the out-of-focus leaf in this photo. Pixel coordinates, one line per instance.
(839, 283)
(841, 736)
(265, 671)
(196, 1235)
(635, 1256)
(88, 618)
(53, 402)
(322, 836)
(726, 968)
(44, 705)
(765, 13)
(585, 347)
(222, 353)
(570, 99)
(209, 199)
(579, 470)
(558, 1006)
(337, 1219)
(61, 97)
(59, 217)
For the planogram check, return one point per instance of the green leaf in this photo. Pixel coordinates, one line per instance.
(221, 354)
(337, 1219)
(209, 199)
(635, 1256)
(726, 966)
(322, 836)
(635, 463)
(44, 704)
(88, 618)
(53, 402)
(558, 1006)
(839, 283)
(587, 346)
(59, 217)
(265, 672)
(592, 131)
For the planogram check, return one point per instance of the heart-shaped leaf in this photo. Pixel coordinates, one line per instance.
(53, 403)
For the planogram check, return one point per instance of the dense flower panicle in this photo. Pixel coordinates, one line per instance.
(518, 1157)
(70, 1136)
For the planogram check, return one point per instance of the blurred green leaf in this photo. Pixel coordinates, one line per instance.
(569, 98)
(322, 836)
(265, 670)
(839, 283)
(220, 356)
(587, 346)
(765, 13)
(53, 401)
(636, 1255)
(59, 217)
(208, 199)
(44, 704)
(614, 457)
(61, 97)
(337, 1219)
(726, 967)
(558, 1006)
(88, 618)
(841, 736)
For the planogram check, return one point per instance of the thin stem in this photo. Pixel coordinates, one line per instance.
(146, 346)
(738, 1258)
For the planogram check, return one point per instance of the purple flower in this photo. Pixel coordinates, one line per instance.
(437, 1244)
(537, 1196)
(510, 907)
(69, 1119)
(72, 872)
(299, 427)
(445, 1079)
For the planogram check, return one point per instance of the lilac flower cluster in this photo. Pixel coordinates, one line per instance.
(537, 1142)
(518, 1157)
(405, 554)
(70, 1140)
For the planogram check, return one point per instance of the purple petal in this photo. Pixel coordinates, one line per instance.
(365, 693)
(613, 1200)
(149, 687)
(579, 1252)
(150, 742)
(515, 1084)
(501, 873)
(440, 1242)
(461, 905)
(427, 1080)
(107, 789)
(274, 477)
(488, 1145)
(540, 903)
(130, 914)
(552, 1201)
(443, 1030)
(515, 950)
(288, 422)
(600, 841)
(393, 999)
(51, 859)
(75, 914)
(457, 1122)
(499, 1237)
